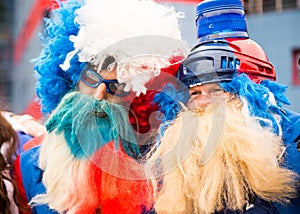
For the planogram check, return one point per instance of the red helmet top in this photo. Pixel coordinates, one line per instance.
(253, 59)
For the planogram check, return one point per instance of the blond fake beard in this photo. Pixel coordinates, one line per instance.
(218, 158)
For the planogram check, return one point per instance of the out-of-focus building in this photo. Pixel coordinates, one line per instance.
(274, 25)
(6, 47)
(271, 23)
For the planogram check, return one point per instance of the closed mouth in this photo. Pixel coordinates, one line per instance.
(100, 114)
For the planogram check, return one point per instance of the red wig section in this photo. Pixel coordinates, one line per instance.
(142, 108)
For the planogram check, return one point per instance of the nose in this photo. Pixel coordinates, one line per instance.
(100, 92)
(199, 101)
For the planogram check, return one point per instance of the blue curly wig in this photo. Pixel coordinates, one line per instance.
(53, 82)
(258, 98)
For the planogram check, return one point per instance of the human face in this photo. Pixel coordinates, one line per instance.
(101, 85)
(203, 95)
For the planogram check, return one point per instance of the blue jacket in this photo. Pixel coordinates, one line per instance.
(32, 178)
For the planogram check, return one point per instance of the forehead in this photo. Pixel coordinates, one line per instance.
(104, 73)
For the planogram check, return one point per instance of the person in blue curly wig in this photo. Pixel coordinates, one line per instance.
(101, 64)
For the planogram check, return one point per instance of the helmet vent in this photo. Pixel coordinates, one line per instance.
(229, 63)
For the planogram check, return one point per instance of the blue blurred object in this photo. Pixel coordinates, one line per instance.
(23, 138)
(217, 19)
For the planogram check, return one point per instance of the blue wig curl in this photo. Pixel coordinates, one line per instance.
(168, 101)
(258, 95)
(53, 82)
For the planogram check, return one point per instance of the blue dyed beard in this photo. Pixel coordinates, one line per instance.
(89, 124)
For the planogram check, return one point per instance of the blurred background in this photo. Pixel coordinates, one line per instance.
(274, 24)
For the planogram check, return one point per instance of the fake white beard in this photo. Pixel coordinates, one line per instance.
(216, 158)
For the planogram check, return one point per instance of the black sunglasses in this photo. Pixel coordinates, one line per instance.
(91, 78)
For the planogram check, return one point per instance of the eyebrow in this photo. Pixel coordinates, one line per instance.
(107, 62)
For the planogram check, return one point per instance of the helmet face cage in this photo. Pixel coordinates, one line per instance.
(219, 60)
(208, 62)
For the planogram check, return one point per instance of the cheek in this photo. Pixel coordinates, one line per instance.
(83, 88)
(113, 99)
(229, 96)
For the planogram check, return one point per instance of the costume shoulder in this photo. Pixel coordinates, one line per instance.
(291, 138)
(294, 126)
(259, 206)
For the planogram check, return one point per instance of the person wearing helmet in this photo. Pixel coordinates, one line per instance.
(97, 76)
(222, 153)
(226, 20)
(211, 151)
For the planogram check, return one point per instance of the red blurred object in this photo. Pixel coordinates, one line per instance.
(34, 109)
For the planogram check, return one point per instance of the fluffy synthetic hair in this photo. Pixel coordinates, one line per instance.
(84, 132)
(82, 185)
(76, 189)
(264, 100)
(86, 156)
(76, 33)
(121, 20)
(219, 159)
(140, 34)
(144, 106)
(53, 82)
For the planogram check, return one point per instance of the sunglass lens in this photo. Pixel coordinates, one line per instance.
(89, 77)
(117, 88)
